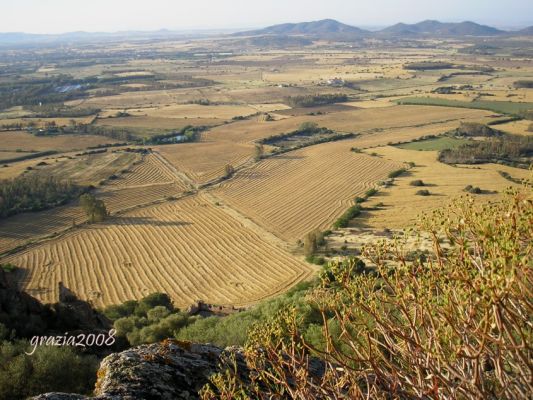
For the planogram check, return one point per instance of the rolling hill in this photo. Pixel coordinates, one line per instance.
(430, 28)
(526, 31)
(322, 27)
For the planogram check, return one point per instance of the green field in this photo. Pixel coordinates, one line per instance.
(504, 107)
(433, 144)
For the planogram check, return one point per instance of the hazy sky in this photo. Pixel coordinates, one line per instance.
(53, 16)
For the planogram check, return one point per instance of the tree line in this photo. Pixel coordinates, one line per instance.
(316, 100)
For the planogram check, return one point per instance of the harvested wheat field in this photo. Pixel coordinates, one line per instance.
(22, 228)
(357, 120)
(149, 181)
(206, 160)
(399, 135)
(14, 140)
(396, 117)
(155, 124)
(523, 127)
(19, 229)
(401, 205)
(89, 169)
(150, 170)
(292, 194)
(189, 249)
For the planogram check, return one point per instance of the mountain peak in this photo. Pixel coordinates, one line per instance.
(321, 27)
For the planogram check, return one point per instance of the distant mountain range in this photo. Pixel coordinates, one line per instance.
(326, 28)
(430, 28)
(329, 27)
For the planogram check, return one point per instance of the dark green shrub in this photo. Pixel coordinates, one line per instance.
(371, 192)
(344, 220)
(398, 172)
(423, 192)
(417, 182)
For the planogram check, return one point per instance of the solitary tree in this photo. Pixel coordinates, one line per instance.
(228, 170)
(259, 152)
(311, 242)
(95, 209)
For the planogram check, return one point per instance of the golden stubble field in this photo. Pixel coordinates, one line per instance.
(401, 205)
(297, 192)
(147, 180)
(190, 249)
(13, 140)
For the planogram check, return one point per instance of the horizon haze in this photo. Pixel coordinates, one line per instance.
(61, 16)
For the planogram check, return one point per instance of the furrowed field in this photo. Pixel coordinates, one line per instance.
(189, 249)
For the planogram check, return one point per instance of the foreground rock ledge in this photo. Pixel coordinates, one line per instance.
(167, 370)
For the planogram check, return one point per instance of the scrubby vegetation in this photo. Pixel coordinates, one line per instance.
(345, 218)
(397, 173)
(455, 323)
(61, 111)
(316, 100)
(423, 192)
(148, 320)
(34, 193)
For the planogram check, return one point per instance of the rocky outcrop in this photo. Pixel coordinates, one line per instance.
(170, 370)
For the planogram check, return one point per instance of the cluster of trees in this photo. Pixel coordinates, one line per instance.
(471, 129)
(316, 100)
(34, 193)
(509, 149)
(473, 189)
(305, 129)
(524, 84)
(41, 91)
(188, 133)
(94, 208)
(307, 134)
(397, 173)
(448, 324)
